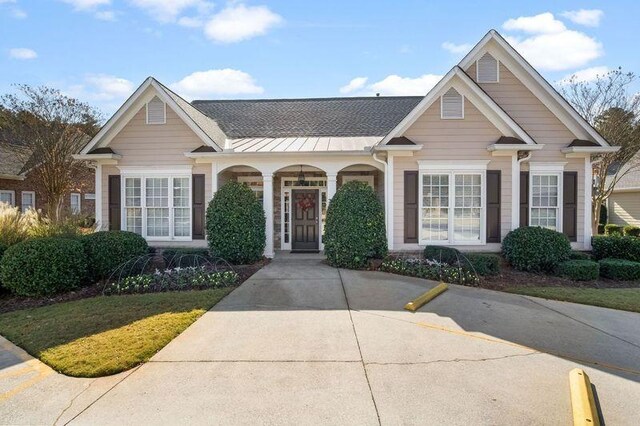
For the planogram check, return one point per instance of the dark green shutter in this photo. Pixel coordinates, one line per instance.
(524, 199)
(411, 206)
(115, 212)
(198, 207)
(570, 205)
(493, 206)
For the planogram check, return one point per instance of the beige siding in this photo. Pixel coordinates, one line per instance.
(624, 208)
(465, 139)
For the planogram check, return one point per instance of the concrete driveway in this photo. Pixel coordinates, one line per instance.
(303, 343)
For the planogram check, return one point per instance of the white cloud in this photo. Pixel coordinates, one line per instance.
(101, 87)
(239, 22)
(586, 75)
(550, 45)
(18, 13)
(87, 4)
(169, 10)
(456, 49)
(355, 84)
(221, 82)
(105, 15)
(190, 22)
(544, 23)
(586, 17)
(22, 53)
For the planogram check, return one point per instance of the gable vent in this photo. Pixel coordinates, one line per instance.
(156, 111)
(487, 69)
(452, 104)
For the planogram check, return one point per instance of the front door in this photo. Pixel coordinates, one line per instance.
(306, 228)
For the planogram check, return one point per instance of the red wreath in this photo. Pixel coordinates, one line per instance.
(305, 201)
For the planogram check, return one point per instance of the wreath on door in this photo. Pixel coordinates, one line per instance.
(305, 201)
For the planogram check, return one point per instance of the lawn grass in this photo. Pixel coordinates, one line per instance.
(626, 299)
(106, 334)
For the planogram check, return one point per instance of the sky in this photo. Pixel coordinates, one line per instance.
(101, 50)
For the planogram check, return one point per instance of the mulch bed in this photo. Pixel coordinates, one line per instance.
(9, 302)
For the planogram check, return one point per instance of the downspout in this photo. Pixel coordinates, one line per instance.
(387, 202)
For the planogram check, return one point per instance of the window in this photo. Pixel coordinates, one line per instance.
(452, 202)
(452, 105)
(487, 69)
(158, 207)
(89, 196)
(7, 197)
(75, 203)
(28, 200)
(545, 200)
(156, 111)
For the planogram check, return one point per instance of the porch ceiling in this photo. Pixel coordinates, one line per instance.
(305, 144)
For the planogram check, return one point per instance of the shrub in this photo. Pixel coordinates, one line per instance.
(579, 270)
(355, 229)
(616, 247)
(535, 249)
(484, 263)
(43, 266)
(579, 255)
(443, 254)
(620, 269)
(430, 270)
(631, 231)
(236, 224)
(106, 250)
(601, 229)
(612, 229)
(12, 225)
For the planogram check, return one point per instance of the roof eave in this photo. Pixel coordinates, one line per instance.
(514, 147)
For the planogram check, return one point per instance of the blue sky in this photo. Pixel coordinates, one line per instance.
(101, 50)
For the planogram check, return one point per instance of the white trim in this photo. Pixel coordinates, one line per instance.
(398, 148)
(461, 117)
(589, 150)
(368, 179)
(515, 192)
(453, 165)
(388, 200)
(169, 170)
(629, 189)
(267, 183)
(13, 195)
(90, 196)
(562, 110)
(289, 189)
(539, 166)
(98, 192)
(514, 147)
(79, 197)
(164, 116)
(548, 169)
(497, 70)
(97, 157)
(588, 212)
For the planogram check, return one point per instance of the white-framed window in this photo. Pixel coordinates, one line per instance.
(89, 196)
(156, 111)
(487, 69)
(452, 202)
(27, 200)
(158, 207)
(8, 197)
(75, 203)
(545, 198)
(368, 179)
(452, 105)
(256, 185)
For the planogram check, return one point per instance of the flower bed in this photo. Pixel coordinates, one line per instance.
(430, 270)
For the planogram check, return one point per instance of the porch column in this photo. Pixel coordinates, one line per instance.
(214, 178)
(97, 190)
(332, 184)
(588, 212)
(267, 182)
(515, 192)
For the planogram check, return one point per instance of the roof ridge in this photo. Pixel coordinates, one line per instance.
(335, 98)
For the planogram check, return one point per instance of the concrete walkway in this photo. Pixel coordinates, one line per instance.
(303, 343)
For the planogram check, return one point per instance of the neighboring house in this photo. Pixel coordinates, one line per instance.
(490, 148)
(623, 205)
(19, 187)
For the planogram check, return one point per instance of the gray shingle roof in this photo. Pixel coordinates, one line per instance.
(12, 159)
(370, 116)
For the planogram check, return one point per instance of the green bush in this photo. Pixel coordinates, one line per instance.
(185, 256)
(443, 254)
(612, 229)
(43, 266)
(631, 231)
(620, 269)
(236, 224)
(616, 247)
(106, 250)
(355, 229)
(579, 255)
(579, 270)
(484, 263)
(427, 269)
(536, 249)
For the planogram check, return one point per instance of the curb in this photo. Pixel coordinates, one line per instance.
(418, 302)
(582, 400)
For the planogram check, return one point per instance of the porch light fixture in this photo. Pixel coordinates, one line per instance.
(301, 177)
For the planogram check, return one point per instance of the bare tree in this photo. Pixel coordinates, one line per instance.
(52, 127)
(607, 104)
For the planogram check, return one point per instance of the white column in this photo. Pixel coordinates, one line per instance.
(515, 192)
(332, 185)
(98, 193)
(388, 200)
(588, 186)
(267, 181)
(214, 178)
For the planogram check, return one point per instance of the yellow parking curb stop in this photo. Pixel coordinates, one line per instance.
(582, 400)
(417, 303)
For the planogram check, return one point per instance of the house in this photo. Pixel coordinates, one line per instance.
(623, 205)
(490, 148)
(19, 187)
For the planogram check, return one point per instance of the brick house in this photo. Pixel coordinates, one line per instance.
(20, 188)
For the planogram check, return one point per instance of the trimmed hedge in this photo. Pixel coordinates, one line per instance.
(579, 270)
(579, 255)
(612, 229)
(43, 266)
(355, 229)
(631, 231)
(536, 249)
(616, 247)
(484, 263)
(620, 269)
(236, 224)
(106, 250)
